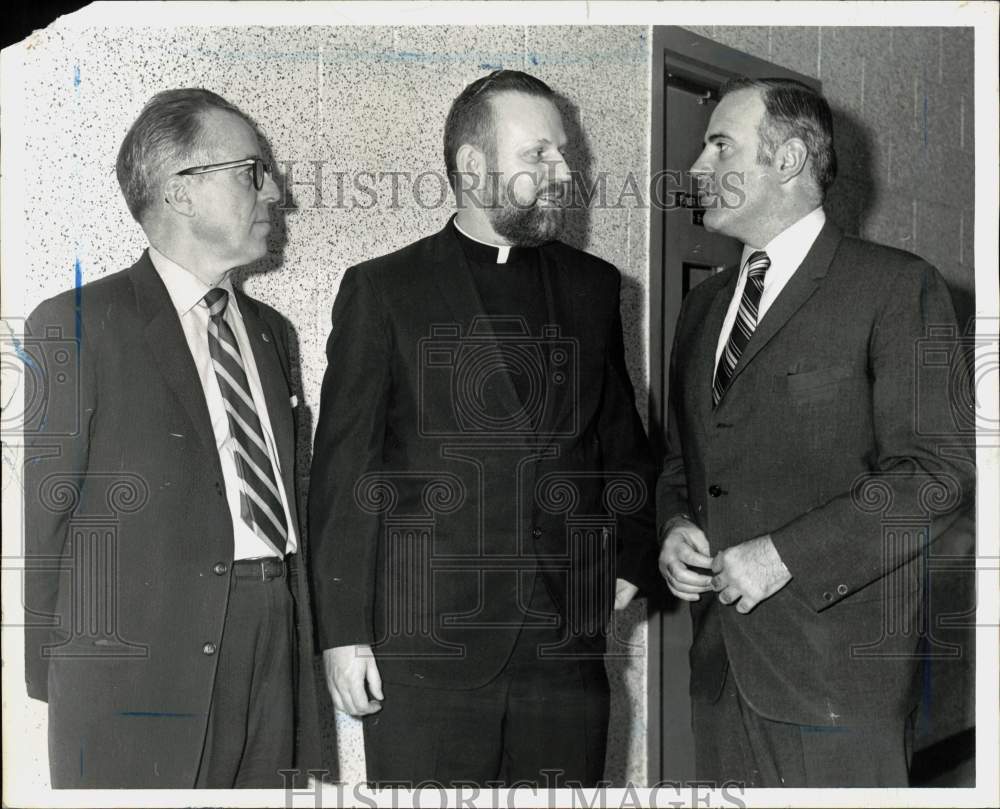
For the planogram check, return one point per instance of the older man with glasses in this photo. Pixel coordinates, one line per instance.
(177, 393)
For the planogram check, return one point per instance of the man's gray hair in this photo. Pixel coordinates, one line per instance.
(793, 110)
(168, 130)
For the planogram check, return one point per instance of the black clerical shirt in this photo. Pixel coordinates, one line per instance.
(511, 287)
(509, 282)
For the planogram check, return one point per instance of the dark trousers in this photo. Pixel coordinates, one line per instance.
(542, 721)
(251, 721)
(733, 743)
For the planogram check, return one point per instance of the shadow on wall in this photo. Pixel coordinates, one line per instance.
(858, 189)
(944, 733)
(576, 232)
(277, 239)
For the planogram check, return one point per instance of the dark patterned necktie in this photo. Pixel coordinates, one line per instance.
(746, 322)
(260, 500)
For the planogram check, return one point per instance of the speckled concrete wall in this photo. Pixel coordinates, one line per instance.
(356, 99)
(903, 120)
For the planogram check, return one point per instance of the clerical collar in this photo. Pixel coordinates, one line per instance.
(486, 253)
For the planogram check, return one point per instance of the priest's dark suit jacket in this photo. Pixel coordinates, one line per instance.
(128, 537)
(837, 438)
(437, 494)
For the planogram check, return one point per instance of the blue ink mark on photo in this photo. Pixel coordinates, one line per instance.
(23, 355)
(635, 54)
(77, 285)
(76, 75)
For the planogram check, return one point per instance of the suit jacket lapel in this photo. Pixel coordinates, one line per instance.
(165, 339)
(706, 343)
(797, 291)
(458, 289)
(274, 381)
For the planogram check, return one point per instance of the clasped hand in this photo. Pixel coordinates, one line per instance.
(351, 676)
(744, 574)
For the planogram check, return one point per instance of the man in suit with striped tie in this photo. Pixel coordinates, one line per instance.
(791, 430)
(178, 398)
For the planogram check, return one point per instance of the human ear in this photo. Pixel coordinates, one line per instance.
(470, 163)
(791, 159)
(177, 196)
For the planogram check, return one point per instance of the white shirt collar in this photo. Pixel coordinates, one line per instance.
(185, 289)
(503, 250)
(790, 247)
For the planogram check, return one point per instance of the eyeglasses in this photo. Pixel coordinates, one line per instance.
(260, 168)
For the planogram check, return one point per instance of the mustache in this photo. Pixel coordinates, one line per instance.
(558, 192)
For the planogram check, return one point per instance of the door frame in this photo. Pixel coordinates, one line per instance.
(694, 59)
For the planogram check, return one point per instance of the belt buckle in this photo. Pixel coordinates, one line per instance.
(263, 569)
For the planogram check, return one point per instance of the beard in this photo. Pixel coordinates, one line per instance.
(527, 225)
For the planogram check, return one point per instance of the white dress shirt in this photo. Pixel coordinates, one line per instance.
(187, 293)
(786, 251)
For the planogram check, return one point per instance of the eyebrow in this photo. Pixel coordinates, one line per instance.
(543, 141)
(714, 136)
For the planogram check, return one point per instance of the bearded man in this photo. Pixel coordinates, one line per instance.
(481, 490)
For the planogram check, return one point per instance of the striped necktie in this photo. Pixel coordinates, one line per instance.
(260, 501)
(746, 322)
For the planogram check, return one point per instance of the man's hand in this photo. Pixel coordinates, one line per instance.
(749, 573)
(348, 669)
(685, 546)
(624, 593)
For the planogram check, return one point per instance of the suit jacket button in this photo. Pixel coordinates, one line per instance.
(536, 532)
(714, 490)
(842, 589)
(220, 569)
(828, 596)
(208, 649)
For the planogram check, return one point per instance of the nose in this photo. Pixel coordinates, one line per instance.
(700, 165)
(269, 193)
(557, 169)
(563, 172)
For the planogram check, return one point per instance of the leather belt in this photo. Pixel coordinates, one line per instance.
(263, 569)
